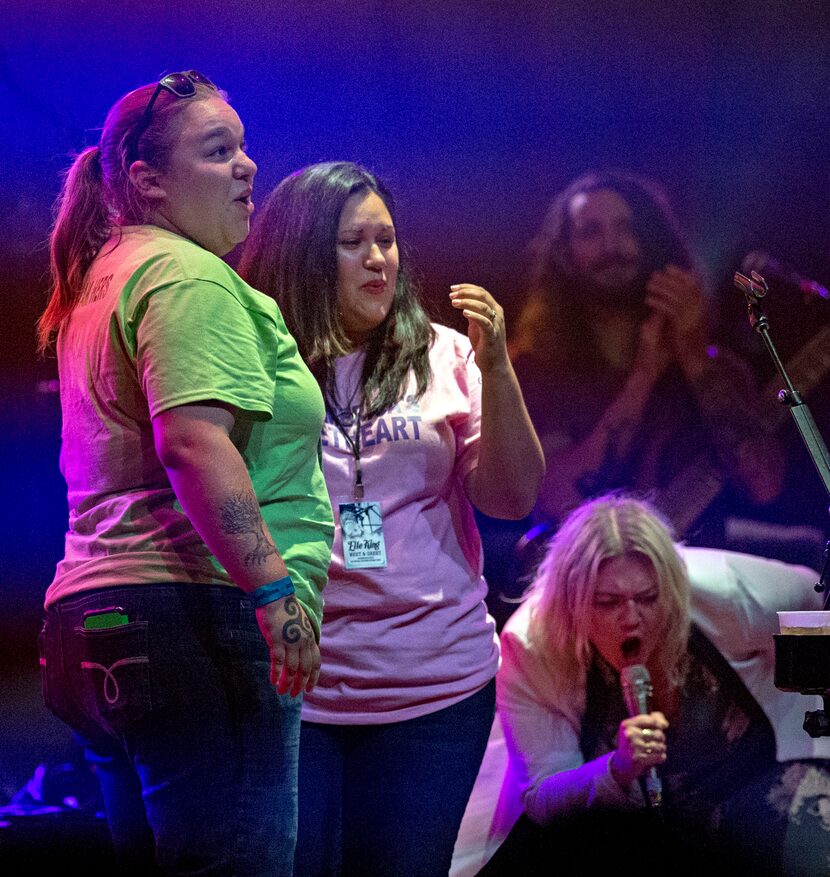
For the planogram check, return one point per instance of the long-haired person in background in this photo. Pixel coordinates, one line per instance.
(199, 523)
(614, 354)
(423, 423)
(614, 591)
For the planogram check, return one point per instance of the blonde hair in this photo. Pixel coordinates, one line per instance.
(563, 590)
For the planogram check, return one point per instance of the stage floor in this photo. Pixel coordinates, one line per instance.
(38, 756)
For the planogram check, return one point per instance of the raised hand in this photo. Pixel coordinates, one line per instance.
(675, 294)
(485, 324)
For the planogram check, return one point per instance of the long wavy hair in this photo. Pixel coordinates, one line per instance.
(563, 591)
(291, 254)
(553, 323)
(97, 194)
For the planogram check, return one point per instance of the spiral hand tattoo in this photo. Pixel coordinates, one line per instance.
(292, 629)
(297, 625)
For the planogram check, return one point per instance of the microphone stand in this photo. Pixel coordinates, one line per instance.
(796, 676)
(754, 289)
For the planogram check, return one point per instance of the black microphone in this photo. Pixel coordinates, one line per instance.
(773, 268)
(636, 686)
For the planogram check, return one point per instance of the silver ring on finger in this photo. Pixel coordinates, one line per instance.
(492, 315)
(647, 733)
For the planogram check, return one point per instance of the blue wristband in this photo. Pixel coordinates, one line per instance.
(271, 592)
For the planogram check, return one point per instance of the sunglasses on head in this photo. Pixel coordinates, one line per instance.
(178, 84)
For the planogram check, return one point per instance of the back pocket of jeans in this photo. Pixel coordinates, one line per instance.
(115, 674)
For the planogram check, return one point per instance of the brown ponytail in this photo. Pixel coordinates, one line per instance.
(82, 225)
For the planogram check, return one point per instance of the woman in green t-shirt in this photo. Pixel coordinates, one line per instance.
(180, 390)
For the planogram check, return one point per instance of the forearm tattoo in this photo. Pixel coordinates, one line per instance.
(297, 624)
(240, 516)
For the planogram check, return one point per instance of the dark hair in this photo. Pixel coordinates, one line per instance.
(97, 194)
(550, 315)
(291, 254)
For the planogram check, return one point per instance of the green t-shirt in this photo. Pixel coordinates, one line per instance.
(162, 323)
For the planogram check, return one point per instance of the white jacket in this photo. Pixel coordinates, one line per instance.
(541, 769)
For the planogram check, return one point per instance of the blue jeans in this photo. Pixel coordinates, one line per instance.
(195, 751)
(387, 800)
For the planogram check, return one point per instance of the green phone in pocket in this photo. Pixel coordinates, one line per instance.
(102, 619)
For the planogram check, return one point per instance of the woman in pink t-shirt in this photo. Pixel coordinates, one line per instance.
(422, 424)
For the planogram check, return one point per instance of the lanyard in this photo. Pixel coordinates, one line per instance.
(354, 447)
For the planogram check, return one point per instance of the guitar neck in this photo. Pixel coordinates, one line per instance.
(698, 484)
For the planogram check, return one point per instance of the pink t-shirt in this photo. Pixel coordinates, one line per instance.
(415, 636)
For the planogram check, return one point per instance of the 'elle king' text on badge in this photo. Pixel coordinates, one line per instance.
(361, 524)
